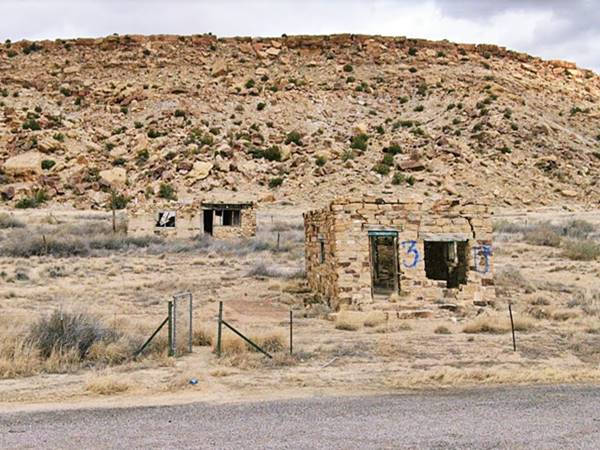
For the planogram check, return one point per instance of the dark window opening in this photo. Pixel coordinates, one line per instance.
(446, 261)
(384, 264)
(231, 218)
(321, 251)
(166, 219)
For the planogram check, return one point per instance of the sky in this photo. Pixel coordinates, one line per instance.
(552, 29)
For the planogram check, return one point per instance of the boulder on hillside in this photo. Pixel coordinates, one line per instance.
(114, 177)
(201, 170)
(24, 165)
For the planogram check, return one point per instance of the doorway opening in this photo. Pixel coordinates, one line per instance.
(446, 261)
(384, 263)
(208, 221)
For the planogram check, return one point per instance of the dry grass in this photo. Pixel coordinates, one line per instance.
(442, 330)
(452, 377)
(107, 384)
(50, 345)
(17, 356)
(375, 318)
(9, 221)
(563, 314)
(269, 341)
(587, 300)
(392, 327)
(498, 324)
(349, 320)
(581, 250)
(203, 335)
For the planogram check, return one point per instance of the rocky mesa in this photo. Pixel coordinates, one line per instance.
(293, 119)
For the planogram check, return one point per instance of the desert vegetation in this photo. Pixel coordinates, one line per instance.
(260, 280)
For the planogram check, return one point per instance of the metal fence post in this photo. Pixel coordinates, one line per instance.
(291, 333)
(170, 307)
(219, 329)
(512, 326)
(191, 327)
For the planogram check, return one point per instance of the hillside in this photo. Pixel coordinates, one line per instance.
(294, 119)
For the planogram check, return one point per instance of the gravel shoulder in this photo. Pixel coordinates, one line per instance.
(511, 417)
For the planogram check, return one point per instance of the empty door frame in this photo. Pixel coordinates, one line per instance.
(208, 221)
(374, 260)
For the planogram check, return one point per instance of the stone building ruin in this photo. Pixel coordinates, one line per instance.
(223, 217)
(384, 248)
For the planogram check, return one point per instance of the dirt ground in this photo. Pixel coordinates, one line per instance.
(556, 302)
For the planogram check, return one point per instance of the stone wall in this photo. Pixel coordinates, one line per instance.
(319, 236)
(246, 229)
(189, 222)
(346, 223)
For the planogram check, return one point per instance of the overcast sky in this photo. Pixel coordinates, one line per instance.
(552, 29)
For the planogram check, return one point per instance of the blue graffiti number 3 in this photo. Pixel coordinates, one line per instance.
(482, 255)
(412, 255)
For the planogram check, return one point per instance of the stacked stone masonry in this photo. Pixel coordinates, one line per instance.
(339, 252)
(189, 220)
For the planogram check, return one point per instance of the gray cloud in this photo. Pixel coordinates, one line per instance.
(553, 29)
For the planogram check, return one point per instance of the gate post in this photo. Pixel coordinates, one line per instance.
(170, 308)
(219, 329)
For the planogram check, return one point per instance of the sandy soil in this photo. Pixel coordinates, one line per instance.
(132, 289)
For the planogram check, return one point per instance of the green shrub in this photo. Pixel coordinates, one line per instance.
(412, 51)
(119, 162)
(293, 136)
(320, 161)
(142, 156)
(250, 84)
(118, 201)
(261, 106)
(33, 47)
(167, 191)
(59, 137)
(48, 164)
(270, 154)
(393, 149)
(32, 124)
(419, 108)
(381, 168)
(39, 198)
(388, 159)
(138, 125)
(347, 155)
(360, 142)
(153, 134)
(348, 68)
(398, 178)
(275, 182)
(66, 92)
(180, 113)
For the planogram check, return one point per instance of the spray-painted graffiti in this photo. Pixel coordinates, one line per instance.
(481, 258)
(411, 256)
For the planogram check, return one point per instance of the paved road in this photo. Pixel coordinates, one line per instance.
(539, 417)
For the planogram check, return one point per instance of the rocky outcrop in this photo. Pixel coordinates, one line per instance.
(299, 119)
